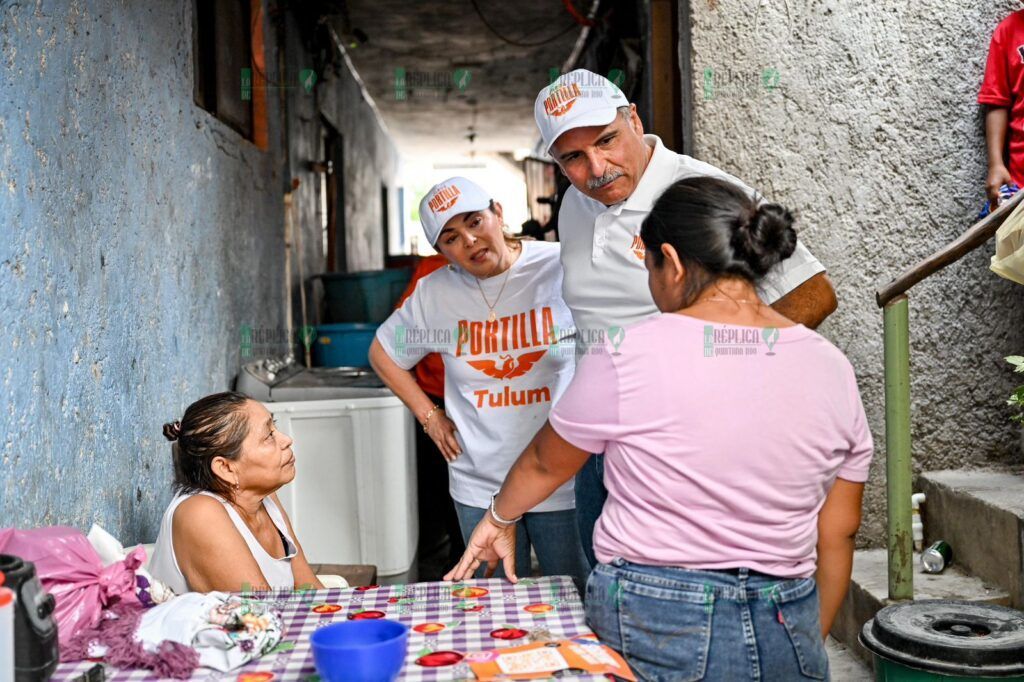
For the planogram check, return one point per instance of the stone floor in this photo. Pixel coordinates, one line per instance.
(845, 667)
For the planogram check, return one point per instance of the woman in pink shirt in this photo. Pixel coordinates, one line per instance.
(736, 452)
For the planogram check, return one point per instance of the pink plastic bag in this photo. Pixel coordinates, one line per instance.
(71, 571)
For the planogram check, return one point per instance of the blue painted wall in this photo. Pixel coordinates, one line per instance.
(138, 234)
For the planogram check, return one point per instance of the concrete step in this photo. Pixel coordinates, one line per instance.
(981, 515)
(844, 666)
(869, 592)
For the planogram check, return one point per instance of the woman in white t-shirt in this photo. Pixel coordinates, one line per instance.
(497, 318)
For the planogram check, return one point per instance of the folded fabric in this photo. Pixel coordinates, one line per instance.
(113, 640)
(213, 630)
(225, 631)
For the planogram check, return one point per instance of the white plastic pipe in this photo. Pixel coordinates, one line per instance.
(288, 269)
(916, 525)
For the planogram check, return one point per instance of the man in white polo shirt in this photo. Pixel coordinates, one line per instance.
(617, 173)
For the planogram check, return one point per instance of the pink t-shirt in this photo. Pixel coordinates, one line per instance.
(721, 442)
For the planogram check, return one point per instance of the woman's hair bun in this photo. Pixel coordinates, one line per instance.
(766, 239)
(172, 430)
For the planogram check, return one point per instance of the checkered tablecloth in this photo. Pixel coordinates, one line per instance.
(459, 617)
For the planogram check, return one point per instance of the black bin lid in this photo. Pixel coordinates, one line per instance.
(949, 636)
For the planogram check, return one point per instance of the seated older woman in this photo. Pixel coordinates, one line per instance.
(225, 528)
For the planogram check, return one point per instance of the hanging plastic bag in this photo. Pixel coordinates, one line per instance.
(72, 572)
(148, 590)
(1009, 259)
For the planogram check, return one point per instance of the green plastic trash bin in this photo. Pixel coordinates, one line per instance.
(940, 640)
(368, 296)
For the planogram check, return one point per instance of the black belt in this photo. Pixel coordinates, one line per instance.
(750, 571)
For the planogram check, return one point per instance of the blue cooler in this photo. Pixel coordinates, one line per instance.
(343, 345)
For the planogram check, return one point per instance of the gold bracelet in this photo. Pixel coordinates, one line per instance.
(426, 419)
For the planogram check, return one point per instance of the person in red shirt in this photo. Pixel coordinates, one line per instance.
(430, 370)
(439, 524)
(1003, 93)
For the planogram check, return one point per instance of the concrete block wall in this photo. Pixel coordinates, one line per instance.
(861, 117)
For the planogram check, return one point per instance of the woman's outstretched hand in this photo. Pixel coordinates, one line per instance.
(490, 543)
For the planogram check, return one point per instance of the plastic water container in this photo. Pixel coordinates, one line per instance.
(343, 345)
(6, 633)
(367, 296)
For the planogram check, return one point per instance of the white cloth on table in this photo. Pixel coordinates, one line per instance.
(224, 631)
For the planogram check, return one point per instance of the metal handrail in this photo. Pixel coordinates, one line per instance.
(975, 236)
(893, 300)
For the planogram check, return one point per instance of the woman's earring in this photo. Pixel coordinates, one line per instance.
(236, 485)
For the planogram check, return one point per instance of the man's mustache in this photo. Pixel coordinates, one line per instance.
(597, 183)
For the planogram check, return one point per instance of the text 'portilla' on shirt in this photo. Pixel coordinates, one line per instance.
(501, 376)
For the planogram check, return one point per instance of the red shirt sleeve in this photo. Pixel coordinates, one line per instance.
(995, 89)
(430, 370)
(423, 268)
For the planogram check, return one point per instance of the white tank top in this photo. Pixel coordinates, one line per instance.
(278, 572)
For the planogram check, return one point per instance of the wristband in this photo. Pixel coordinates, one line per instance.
(504, 523)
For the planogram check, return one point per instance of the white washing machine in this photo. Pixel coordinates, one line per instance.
(353, 500)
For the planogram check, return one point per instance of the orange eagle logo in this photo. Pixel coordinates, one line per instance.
(638, 247)
(510, 367)
(559, 102)
(444, 199)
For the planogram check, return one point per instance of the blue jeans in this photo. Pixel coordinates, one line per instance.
(590, 497)
(679, 625)
(553, 535)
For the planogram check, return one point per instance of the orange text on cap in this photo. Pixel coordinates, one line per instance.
(444, 199)
(561, 100)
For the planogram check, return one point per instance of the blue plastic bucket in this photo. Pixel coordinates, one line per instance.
(343, 345)
(367, 296)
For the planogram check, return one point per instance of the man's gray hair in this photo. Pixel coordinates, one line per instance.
(624, 112)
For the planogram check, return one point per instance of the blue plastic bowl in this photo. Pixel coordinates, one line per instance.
(360, 650)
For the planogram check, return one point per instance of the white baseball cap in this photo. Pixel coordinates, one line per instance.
(447, 199)
(576, 99)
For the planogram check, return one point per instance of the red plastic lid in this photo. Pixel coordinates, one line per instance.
(6, 596)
